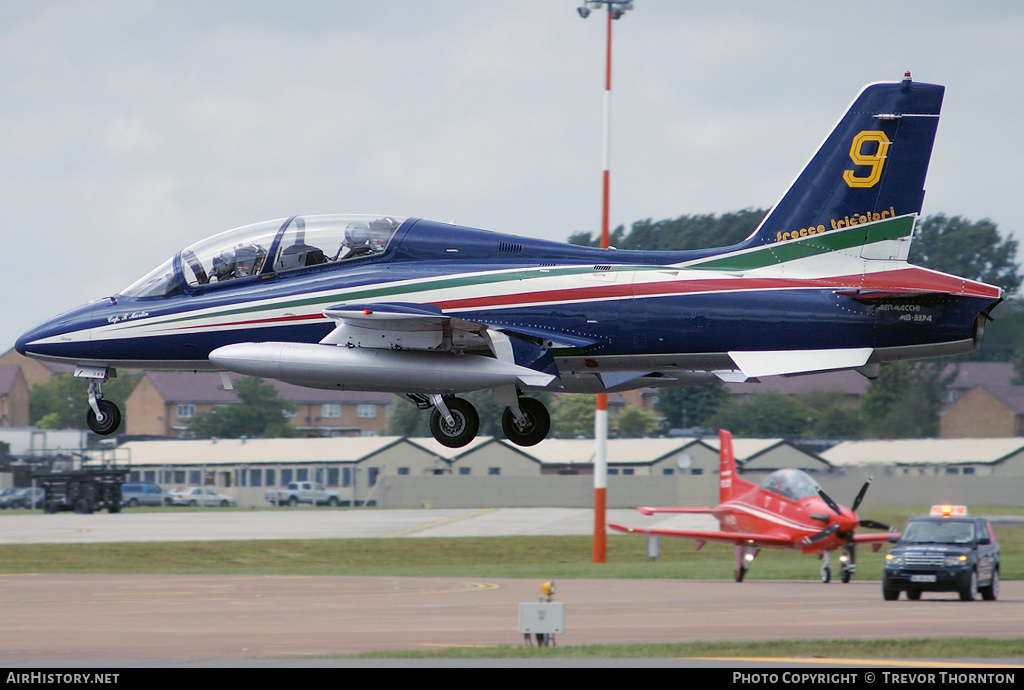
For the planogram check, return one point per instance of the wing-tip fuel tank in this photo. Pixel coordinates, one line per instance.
(426, 309)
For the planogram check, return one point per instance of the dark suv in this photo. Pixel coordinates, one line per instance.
(946, 551)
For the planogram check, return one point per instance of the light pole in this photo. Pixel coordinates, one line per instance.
(615, 10)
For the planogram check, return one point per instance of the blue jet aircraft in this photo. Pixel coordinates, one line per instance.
(431, 310)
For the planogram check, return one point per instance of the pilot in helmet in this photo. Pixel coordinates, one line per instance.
(362, 238)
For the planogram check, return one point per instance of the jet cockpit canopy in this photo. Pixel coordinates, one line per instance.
(270, 247)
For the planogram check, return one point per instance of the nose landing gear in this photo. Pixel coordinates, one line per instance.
(103, 417)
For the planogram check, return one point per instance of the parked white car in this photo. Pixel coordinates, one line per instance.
(199, 496)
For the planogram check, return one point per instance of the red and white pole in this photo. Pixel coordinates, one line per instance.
(600, 554)
(616, 8)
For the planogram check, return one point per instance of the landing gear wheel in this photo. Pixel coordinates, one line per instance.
(538, 423)
(740, 573)
(845, 576)
(111, 418)
(826, 574)
(465, 423)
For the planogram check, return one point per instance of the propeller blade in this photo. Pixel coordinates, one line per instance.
(860, 495)
(829, 502)
(823, 534)
(874, 524)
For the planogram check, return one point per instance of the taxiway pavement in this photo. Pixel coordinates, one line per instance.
(321, 523)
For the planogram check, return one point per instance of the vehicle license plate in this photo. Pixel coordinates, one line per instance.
(922, 578)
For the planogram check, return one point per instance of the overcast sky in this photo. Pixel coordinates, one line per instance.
(131, 129)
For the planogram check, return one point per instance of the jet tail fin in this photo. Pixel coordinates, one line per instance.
(870, 168)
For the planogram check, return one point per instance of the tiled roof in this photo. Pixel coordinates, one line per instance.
(206, 387)
(849, 382)
(924, 451)
(971, 374)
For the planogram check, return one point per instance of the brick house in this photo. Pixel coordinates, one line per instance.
(14, 397)
(164, 404)
(987, 411)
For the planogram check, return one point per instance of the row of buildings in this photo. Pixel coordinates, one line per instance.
(981, 402)
(399, 471)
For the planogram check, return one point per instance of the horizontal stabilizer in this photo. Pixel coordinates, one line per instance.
(779, 362)
(742, 538)
(675, 509)
(874, 538)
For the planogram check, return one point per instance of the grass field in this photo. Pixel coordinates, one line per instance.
(921, 648)
(530, 557)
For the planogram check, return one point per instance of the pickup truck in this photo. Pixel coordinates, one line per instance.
(303, 492)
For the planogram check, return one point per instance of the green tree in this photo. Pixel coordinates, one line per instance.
(62, 402)
(968, 249)
(260, 413)
(691, 406)
(832, 417)
(684, 232)
(765, 415)
(634, 422)
(573, 417)
(408, 420)
(904, 401)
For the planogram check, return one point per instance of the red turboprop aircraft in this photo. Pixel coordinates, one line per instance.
(788, 511)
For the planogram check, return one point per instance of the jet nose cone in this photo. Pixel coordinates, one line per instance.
(61, 337)
(24, 343)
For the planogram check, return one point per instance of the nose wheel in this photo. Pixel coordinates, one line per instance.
(108, 419)
(103, 417)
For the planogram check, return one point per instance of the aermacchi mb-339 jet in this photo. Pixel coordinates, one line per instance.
(789, 510)
(432, 310)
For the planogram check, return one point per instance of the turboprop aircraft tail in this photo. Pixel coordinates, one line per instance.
(728, 483)
(868, 174)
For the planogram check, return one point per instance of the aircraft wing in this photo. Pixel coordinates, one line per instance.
(401, 325)
(735, 538)
(676, 509)
(874, 538)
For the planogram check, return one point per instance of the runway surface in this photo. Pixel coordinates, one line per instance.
(97, 619)
(176, 620)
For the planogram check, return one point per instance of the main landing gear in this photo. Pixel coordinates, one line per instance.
(454, 422)
(103, 416)
(528, 424)
(848, 559)
(745, 555)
